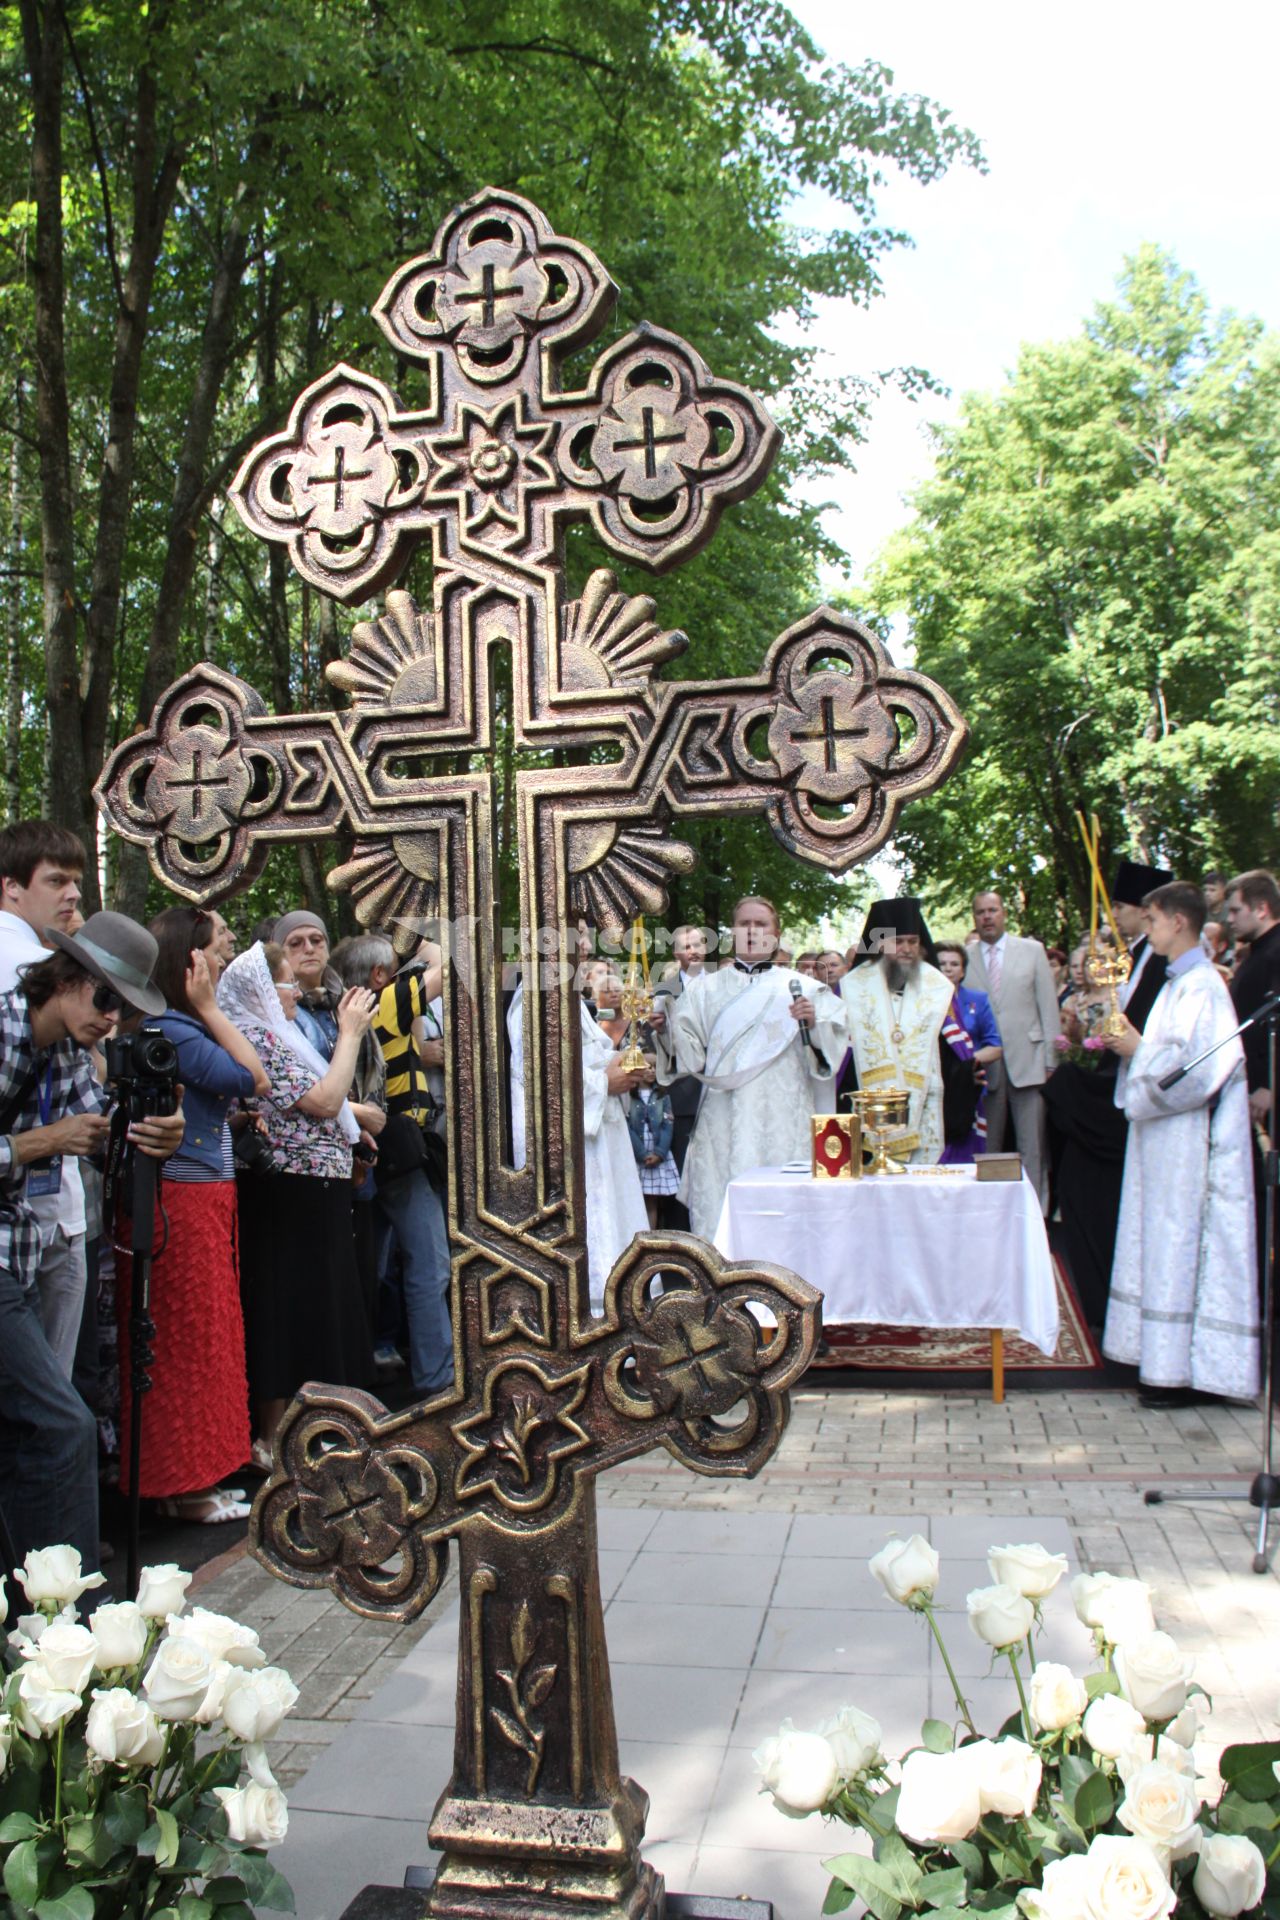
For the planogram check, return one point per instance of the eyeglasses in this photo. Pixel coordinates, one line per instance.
(106, 1001)
(287, 986)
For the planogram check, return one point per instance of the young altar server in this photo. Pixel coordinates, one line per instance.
(1183, 1304)
(758, 1046)
(615, 1200)
(896, 1002)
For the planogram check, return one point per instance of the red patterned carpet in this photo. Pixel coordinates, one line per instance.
(951, 1350)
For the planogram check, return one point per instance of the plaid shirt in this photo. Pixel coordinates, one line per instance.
(73, 1088)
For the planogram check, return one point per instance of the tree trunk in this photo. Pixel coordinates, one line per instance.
(67, 799)
(13, 648)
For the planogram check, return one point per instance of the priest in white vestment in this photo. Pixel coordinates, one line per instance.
(615, 1201)
(1183, 1305)
(895, 1002)
(741, 1031)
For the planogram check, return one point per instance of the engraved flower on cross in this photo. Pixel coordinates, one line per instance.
(493, 460)
(514, 1445)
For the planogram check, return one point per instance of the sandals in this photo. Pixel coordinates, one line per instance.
(205, 1509)
(260, 1456)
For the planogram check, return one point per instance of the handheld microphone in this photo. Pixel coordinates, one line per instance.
(797, 993)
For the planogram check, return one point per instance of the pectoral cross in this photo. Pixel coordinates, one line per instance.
(546, 1395)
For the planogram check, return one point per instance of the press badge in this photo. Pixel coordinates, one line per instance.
(43, 1177)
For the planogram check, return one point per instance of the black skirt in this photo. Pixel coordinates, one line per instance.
(304, 1312)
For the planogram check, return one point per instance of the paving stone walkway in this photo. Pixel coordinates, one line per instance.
(732, 1604)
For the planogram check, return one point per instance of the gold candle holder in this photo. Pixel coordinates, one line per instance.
(1110, 967)
(883, 1112)
(636, 1000)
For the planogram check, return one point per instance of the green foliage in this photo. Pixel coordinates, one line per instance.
(314, 148)
(1093, 572)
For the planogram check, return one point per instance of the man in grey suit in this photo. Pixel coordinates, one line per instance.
(1015, 973)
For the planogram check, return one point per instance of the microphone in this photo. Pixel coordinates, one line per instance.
(797, 993)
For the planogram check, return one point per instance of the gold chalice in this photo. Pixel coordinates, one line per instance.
(883, 1112)
(1110, 967)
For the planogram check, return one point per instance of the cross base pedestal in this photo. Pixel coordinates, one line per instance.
(543, 1863)
(410, 1902)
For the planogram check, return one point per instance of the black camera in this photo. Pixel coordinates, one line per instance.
(142, 1073)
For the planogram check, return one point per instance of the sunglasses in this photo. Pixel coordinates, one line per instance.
(106, 1001)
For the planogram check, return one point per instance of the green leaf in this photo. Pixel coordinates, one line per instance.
(18, 1826)
(839, 1896)
(945, 1888)
(76, 1903)
(1238, 1815)
(967, 1856)
(192, 1906)
(1255, 1782)
(898, 1861)
(1094, 1802)
(22, 1874)
(1096, 1684)
(1072, 1774)
(167, 1850)
(125, 1815)
(937, 1736)
(264, 1886)
(869, 1879)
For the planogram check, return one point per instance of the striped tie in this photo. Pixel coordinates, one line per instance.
(993, 968)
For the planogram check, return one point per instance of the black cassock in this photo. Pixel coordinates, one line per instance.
(1089, 1135)
(1258, 978)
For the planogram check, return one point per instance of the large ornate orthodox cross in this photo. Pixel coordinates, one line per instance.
(826, 741)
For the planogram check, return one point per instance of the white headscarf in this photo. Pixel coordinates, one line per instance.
(247, 995)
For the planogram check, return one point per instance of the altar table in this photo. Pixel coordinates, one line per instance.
(917, 1249)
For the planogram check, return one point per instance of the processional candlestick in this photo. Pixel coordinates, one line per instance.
(827, 742)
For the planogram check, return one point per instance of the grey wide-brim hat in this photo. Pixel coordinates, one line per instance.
(119, 953)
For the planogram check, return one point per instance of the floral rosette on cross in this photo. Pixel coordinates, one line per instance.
(133, 1769)
(1086, 1805)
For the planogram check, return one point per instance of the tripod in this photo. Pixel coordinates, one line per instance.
(1264, 1493)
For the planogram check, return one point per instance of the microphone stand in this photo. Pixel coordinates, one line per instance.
(1264, 1493)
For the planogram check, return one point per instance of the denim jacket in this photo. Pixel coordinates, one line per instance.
(661, 1124)
(211, 1084)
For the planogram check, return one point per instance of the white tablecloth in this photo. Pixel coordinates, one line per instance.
(902, 1250)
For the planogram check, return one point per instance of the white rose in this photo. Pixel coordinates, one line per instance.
(1126, 1880)
(1056, 1697)
(1065, 1893)
(178, 1679)
(855, 1739)
(798, 1769)
(1032, 1571)
(1230, 1875)
(255, 1704)
(66, 1654)
(1117, 1609)
(122, 1729)
(1187, 1725)
(121, 1633)
(6, 1740)
(162, 1590)
(1008, 1775)
(1154, 1673)
(908, 1570)
(4, 1601)
(1111, 1724)
(939, 1799)
(1162, 1807)
(256, 1816)
(999, 1615)
(210, 1707)
(1141, 1751)
(220, 1636)
(43, 1708)
(51, 1577)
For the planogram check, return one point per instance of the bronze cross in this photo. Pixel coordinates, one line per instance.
(536, 1815)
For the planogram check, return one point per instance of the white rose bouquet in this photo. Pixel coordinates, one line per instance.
(133, 1775)
(1085, 1806)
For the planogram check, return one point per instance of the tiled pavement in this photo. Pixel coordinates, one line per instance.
(730, 1605)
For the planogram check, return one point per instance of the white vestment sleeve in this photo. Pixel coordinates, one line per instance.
(1159, 1051)
(689, 1032)
(597, 1052)
(830, 1033)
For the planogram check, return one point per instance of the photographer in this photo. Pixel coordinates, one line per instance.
(51, 1105)
(195, 1422)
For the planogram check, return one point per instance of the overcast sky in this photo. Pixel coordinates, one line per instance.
(1104, 126)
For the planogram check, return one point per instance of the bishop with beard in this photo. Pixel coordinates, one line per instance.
(896, 1001)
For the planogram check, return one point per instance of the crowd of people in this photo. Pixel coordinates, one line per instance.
(304, 1233)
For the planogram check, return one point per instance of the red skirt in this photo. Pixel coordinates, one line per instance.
(195, 1419)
